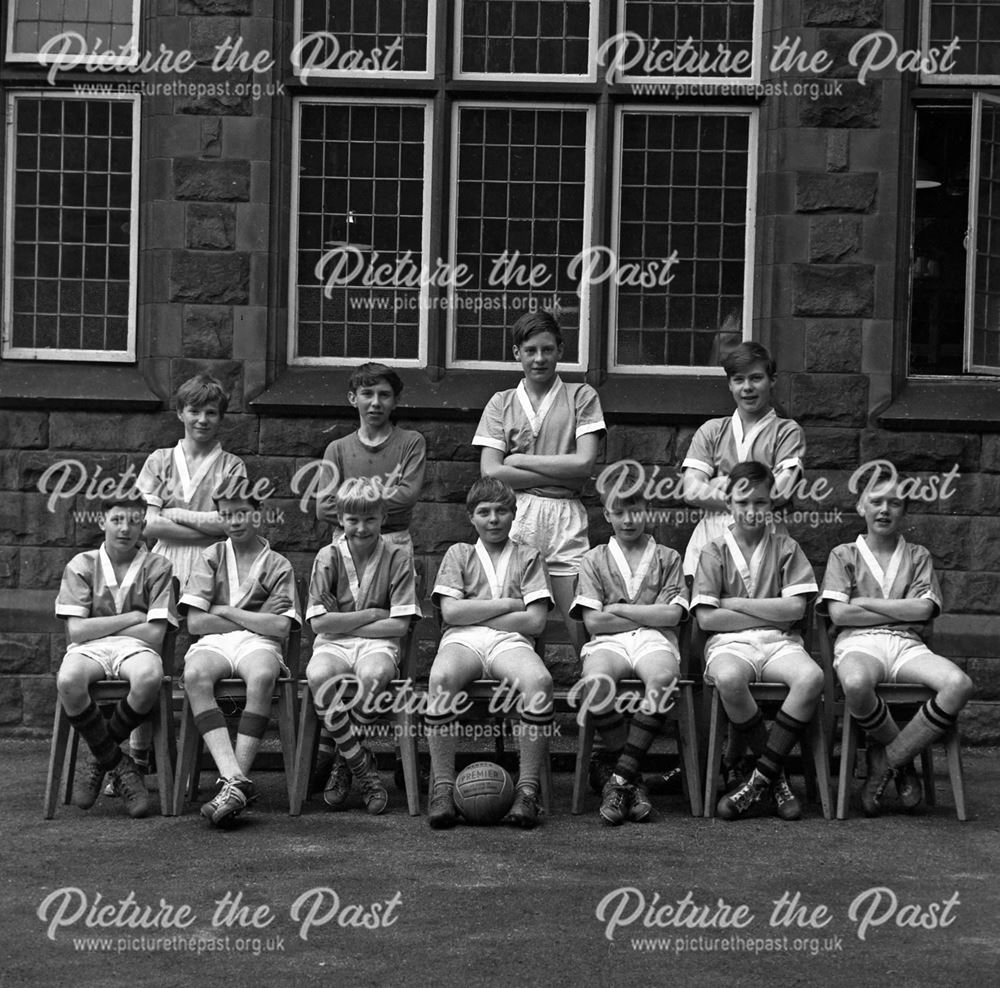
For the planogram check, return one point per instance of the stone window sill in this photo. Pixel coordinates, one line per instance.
(41, 384)
(948, 405)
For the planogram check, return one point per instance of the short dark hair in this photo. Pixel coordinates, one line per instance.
(366, 375)
(752, 473)
(201, 390)
(489, 490)
(532, 323)
(742, 357)
(126, 499)
(235, 489)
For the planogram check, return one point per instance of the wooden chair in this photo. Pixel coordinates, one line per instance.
(232, 694)
(404, 699)
(901, 698)
(682, 715)
(813, 744)
(106, 692)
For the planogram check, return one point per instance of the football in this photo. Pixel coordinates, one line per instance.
(484, 793)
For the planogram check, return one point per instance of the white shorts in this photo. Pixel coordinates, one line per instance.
(891, 650)
(109, 653)
(756, 646)
(556, 527)
(235, 646)
(351, 649)
(634, 645)
(487, 643)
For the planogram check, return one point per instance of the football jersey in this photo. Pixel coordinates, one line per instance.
(90, 587)
(167, 482)
(567, 412)
(468, 573)
(387, 582)
(214, 580)
(398, 462)
(605, 578)
(720, 444)
(853, 571)
(777, 568)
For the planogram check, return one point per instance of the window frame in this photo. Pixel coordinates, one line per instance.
(62, 354)
(753, 115)
(329, 75)
(293, 260)
(540, 77)
(706, 81)
(129, 58)
(581, 364)
(947, 79)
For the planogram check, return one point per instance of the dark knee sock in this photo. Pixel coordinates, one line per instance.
(124, 720)
(641, 733)
(91, 726)
(785, 731)
(753, 731)
(879, 725)
(928, 724)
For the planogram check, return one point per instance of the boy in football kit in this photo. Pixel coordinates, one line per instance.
(751, 588)
(395, 459)
(117, 601)
(630, 595)
(753, 432)
(542, 439)
(494, 597)
(879, 591)
(240, 597)
(362, 598)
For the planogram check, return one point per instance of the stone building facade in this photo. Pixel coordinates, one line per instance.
(833, 216)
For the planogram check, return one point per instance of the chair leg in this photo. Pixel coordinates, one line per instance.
(688, 732)
(584, 748)
(69, 764)
(286, 733)
(927, 767)
(715, 727)
(187, 758)
(57, 755)
(953, 748)
(163, 718)
(821, 761)
(848, 752)
(545, 783)
(305, 752)
(406, 728)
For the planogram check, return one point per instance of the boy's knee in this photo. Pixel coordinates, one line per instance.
(71, 683)
(960, 686)
(809, 681)
(261, 681)
(730, 681)
(146, 681)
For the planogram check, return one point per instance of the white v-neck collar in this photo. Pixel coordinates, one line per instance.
(496, 576)
(748, 570)
(888, 577)
(238, 592)
(535, 419)
(744, 440)
(108, 569)
(360, 587)
(189, 482)
(633, 581)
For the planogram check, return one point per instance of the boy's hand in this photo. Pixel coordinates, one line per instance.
(515, 604)
(277, 604)
(329, 602)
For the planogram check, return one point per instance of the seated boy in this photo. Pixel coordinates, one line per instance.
(362, 599)
(879, 591)
(240, 597)
(494, 598)
(750, 590)
(631, 595)
(117, 601)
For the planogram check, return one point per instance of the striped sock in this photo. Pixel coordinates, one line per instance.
(611, 726)
(879, 725)
(342, 731)
(752, 732)
(326, 748)
(91, 726)
(928, 724)
(641, 733)
(124, 720)
(442, 743)
(785, 731)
